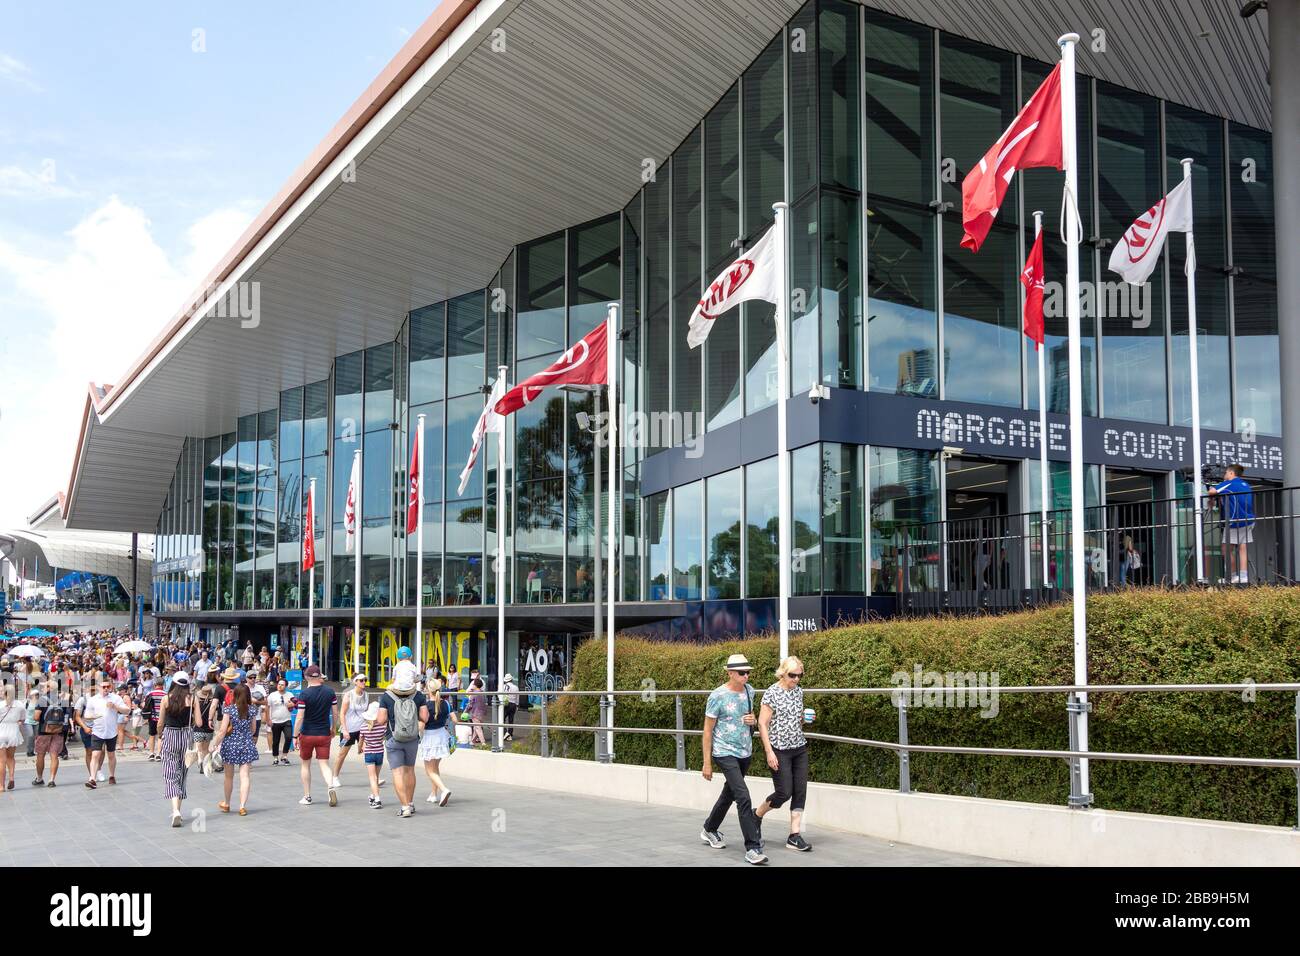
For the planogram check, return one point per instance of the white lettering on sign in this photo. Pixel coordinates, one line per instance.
(803, 624)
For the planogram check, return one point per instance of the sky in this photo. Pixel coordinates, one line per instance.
(137, 141)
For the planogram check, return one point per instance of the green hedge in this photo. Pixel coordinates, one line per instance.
(1140, 636)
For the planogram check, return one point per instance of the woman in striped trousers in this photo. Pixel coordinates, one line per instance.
(176, 736)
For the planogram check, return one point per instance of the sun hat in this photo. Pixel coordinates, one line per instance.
(230, 674)
(739, 662)
(358, 678)
(508, 678)
(372, 712)
(181, 678)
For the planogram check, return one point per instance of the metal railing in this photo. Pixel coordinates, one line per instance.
(997, 560)
(1077, 704)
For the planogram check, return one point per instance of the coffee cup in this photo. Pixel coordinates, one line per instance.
(809, 715)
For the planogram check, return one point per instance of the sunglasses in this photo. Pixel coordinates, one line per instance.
(793, 674)
(741, 673)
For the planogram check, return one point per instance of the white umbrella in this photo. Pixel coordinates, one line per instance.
(26, 650)
(133, 647)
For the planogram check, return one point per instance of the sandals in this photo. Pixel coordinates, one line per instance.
(243, 811)
(223, 807)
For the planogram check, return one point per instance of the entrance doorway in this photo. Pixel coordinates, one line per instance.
(979, 551)
(1136, 529)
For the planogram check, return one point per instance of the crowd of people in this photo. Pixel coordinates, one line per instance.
(208, 707)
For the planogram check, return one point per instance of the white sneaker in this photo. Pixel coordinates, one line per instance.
(380, 782)
(442, 800)
(335, 783)
(431, 798)
(305, 801)
(103, 776)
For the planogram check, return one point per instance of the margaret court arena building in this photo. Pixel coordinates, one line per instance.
(521, 164)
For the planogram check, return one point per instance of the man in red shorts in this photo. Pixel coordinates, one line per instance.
(317, 718)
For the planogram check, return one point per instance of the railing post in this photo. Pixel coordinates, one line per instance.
(1297, 757)
(1074, 707)
(600, 733)
(904, 757)
(680, 737)
(546, 734)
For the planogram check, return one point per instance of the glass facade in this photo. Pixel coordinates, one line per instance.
(865, 124)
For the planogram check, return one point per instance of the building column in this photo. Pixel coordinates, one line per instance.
(1284, 83)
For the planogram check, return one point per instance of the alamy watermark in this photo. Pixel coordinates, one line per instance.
(961, 689)
(243, 301)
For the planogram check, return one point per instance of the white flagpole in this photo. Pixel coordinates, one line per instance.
(1196, 381)
(311, 583)
(1079, 571)
(1042, 419)
(782, 457)
(501, 568)
(419, 546)
(356, 567)
(611, 358)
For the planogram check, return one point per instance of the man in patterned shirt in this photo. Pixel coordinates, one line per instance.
(729, 742)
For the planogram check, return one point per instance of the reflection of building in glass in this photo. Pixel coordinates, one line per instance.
(917, 374)
(1058, 399)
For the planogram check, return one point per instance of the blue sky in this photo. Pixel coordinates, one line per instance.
(137, 140)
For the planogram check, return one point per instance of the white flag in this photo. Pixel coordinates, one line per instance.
(488, 421)
(1138, 253)
(350, 509)
(753, 276)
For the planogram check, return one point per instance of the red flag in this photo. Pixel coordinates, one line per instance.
(309, 535)
(413, 497)
(583, 364)
(1032, 139)
(1031, 277)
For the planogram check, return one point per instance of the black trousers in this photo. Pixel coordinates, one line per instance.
(790, 778)
(510, 717)
(278, 731)
(735, 791)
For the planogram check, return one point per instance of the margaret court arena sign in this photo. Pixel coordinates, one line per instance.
(985, 430)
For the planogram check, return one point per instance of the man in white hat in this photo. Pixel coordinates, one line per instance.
(403, 714)
(510, 698)
(729, 742)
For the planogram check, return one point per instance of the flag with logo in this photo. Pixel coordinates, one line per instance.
(350, 509)
(488, 421)
(585, 363)
(1033, 139)
(1031, 277)
(754, 275)
(309, 533)
(1138, 253)
(413, 494)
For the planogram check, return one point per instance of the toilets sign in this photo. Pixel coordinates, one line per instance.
(904, 421)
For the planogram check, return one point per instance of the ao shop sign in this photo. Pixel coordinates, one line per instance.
(983, 430)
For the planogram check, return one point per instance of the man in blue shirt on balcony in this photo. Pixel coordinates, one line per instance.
(1238, 507)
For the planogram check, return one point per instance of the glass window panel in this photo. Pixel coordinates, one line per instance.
(433, 451)
(631, 545)
(291, 424)
(804, 271)
(1189, 133)
(379, 387)
(582, 530)
(841, 291)
(462, 415)
(762, 571)
(466, 331)
(630, 375)
(723, 492)
(658, 537)
(899, 109)
(722, 227)
(806, 537)
(427, 351)
(347, 394)
(977, 101)
(981, 320)
(541, 297)
(837, 35)
(539, 541)
(1254, 293)
(842, 501)
(688, 545)
(315, 428)
(593, 275)
(1128, 176)
(245, 514)
(902, 330)
(289, 536)
(658, 335)
(904, 504)
(804, 127)
(1043, 186)
(267, 460)
(539, 435)
(464, 564)
(432, 569)
(686, 280)
(1056, 360)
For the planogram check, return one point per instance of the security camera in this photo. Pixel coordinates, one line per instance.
(818, 392)
(1248, 10)
(583, 420)
(951, 451)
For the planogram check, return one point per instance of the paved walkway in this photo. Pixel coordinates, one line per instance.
(488, 824)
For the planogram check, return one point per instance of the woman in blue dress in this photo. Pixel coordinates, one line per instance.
(238, 746)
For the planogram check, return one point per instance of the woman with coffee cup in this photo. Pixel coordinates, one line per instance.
(780, 722)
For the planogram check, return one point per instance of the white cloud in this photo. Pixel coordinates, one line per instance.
(16, 71)
(84, 312)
